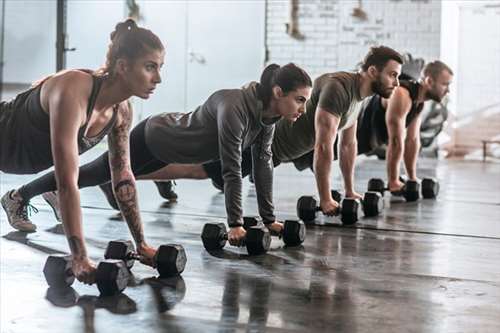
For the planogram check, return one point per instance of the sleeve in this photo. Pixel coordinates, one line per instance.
(231, 124)
(334, 98)
(263, 173)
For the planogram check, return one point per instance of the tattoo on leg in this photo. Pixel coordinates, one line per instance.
(126, 197)
(77, 248)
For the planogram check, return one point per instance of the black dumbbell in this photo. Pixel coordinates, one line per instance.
(430, 188)
(307, 207)
(372, 202)
(257, 239)
(111, 275)
(293, 234)
(410, 190)
(170, 259)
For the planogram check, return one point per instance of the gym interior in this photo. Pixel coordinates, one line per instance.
(423, 265)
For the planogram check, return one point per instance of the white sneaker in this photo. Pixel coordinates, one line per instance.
(18, 212)
(51, 199)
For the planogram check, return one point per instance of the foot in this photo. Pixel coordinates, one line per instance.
(107, 189)
(51, 199)
(18, 212)
(166, 190)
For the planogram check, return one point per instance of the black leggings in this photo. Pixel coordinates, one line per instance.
(98, 172)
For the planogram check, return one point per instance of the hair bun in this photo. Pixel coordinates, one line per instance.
(123, 27)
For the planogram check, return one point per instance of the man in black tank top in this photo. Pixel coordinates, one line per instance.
(401, 128)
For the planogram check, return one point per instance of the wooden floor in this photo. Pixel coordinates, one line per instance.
(427, 266)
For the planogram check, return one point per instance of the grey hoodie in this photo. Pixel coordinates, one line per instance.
(230, 121)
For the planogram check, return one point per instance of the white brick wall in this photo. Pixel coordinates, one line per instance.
(334, 40)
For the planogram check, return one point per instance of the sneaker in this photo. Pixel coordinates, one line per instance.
(18, 212)
(51, 199)
(107, 189)
(166, 190)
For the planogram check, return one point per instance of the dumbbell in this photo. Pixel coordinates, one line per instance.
(307, 207)
(372, 202)
(215, 236)
(170, 259)
(293, 234)
(111, 275)
(430, 188)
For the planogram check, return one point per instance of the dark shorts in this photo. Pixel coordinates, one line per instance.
(142, 160)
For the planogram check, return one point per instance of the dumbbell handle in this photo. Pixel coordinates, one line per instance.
(339, 210)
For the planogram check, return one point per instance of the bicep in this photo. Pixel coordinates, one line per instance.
(326, 125)
(65, 120)
(397, 109)
(118, 139)
(348, 135)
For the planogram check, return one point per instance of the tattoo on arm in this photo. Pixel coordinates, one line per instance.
(126, 196)
(77, 248)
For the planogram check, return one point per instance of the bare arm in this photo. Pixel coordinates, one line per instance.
(412, 147)
(326, 125)
(398, 107)
(121, 173)
(348, 151)
(66, 98)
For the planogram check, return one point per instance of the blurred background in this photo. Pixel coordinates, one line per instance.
(215, 44)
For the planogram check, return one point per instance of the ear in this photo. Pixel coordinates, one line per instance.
(121, 66)
(428, 80)
(373, 71)
(278, 92)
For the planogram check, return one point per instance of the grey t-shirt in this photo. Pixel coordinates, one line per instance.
(226, 124)
(337, 93)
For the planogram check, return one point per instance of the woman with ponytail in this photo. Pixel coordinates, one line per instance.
(230, 121)
(66, 114)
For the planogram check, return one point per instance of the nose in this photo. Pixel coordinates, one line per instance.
(157, 78)
(397, 83)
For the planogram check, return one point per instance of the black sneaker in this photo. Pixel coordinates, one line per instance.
(166, 190)
(107, 189)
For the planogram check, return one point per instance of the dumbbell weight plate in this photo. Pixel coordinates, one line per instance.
(120, 249)
(170, 260)
(376, 185)
(212, 236)
(257, 240)
(57, 271)
(350, 211)
(294, 232)
(411, 190)
(306, 208)
(430, 188)
(373, 203)
(111, 277)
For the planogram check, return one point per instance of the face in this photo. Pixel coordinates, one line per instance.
(292, 104)
(439, 87)
(143, 75)
(387, 79)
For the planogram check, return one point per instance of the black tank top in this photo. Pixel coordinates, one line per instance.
(379, 112)
(25, 146)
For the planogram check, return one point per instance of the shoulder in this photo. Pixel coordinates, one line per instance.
(72, 83)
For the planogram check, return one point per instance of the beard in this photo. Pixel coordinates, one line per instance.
(379, 89)
(432, 95)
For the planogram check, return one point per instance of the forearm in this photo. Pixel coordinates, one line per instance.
(412, 147)
(322, 169)
(394, 155)
(232, 192)
(69, 200)
(347, 160)
(263, 172)
(126, 197)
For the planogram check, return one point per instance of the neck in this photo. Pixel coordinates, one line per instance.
(422, 93)
(269, 113)
(112, 92)
(365, 85)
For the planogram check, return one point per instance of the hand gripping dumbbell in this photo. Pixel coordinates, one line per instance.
(308, 206)
(293, 233)
(372, 202)
(170, 259)
(215, 236)
(111, 275)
